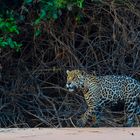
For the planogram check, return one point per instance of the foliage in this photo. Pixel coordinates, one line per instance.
(53, 9)
(8, 29)
(45, 11)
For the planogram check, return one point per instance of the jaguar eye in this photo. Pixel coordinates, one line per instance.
(71, 78)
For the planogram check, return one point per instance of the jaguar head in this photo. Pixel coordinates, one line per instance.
(75, 80)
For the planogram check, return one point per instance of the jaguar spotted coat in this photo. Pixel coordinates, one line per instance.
(101, 91)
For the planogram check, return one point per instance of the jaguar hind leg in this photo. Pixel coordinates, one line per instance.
(138, 110)
(130, 110)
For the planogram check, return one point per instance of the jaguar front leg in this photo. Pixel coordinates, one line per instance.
(84, 118)
(90, 114)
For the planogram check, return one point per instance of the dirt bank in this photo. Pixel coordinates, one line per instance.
(70, 134)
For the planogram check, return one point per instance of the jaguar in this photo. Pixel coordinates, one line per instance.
(102, 91)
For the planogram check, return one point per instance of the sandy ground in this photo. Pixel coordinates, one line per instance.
(71, 134)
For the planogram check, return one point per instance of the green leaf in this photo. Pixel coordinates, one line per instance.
(43, 13)
(13, 30)
(3, 44)
(55, 16)
(37, 32)
(37, 21)
(50, 3)
(2, 25)
(18, 48)
(28, 1)
(79, 3)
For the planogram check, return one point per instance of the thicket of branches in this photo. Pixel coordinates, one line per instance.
(100, 37)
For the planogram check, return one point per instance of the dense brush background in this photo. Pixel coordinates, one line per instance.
(99, 36)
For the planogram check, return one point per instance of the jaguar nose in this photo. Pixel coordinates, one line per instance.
(68, 85)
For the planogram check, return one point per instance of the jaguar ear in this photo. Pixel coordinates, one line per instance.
(94, 72)
(67, 71)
